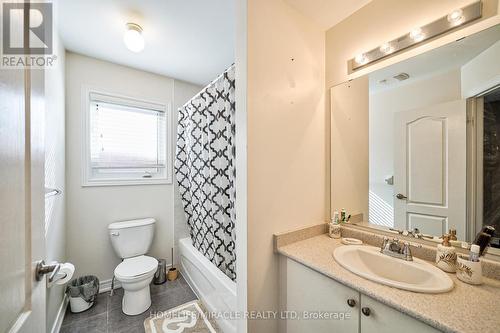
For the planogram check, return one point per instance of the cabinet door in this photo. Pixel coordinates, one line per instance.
(377, 317)
(309, 294)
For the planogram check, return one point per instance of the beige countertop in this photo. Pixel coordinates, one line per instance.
(465, 309)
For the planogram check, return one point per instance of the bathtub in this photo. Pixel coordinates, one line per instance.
(213, 288)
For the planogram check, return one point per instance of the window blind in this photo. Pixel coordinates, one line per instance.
(125, 137)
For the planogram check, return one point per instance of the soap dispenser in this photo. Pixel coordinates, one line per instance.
(446, 256)
(334, 226)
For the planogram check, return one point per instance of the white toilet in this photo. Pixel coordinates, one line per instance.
(131, 240)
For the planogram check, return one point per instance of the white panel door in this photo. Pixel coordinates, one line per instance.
(430, 168)
(22, 237)
(308, 292)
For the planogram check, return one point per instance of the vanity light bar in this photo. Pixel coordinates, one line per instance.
(418, 35)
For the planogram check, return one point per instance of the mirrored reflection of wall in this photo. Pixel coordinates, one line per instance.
(349, 146)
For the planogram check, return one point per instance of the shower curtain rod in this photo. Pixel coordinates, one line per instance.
(208, 85)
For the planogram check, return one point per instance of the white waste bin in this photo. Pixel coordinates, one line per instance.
(82, 292)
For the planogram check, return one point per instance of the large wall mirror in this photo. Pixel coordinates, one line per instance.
(433, 142)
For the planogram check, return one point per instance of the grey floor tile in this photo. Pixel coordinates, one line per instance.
(182, 281)
(115, 301)
(191, 295)
(136, 328)
(165, 287)
(169, 300)
(119, 322)
(106, 315)
(93, 324)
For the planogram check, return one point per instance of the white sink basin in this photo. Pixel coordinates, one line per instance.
(417, 275)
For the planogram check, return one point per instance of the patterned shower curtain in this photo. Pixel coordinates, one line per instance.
(205, 170)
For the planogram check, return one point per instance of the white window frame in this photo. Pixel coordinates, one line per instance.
(87, 179)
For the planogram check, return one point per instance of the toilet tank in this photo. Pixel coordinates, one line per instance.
(131, 238)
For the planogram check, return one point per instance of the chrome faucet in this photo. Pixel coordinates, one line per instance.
(397, 249)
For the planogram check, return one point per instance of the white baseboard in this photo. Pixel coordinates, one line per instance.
(105, 285)
(60, 315)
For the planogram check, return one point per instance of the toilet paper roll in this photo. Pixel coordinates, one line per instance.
(65, 273)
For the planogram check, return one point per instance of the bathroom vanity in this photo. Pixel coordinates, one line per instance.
(356, 312)
(415, 151)
(314, 284)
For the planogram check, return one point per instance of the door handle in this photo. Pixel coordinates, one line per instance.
(42, 269)
(351, 302)
(401, 196)
(366, 311)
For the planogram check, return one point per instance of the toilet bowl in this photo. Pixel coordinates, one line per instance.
(135, 274)
(131, 241)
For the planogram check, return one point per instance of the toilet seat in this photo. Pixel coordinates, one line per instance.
(136, 267)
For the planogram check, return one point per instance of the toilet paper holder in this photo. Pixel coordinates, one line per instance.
(53, 269)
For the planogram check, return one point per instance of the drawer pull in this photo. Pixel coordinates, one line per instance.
(366, 311)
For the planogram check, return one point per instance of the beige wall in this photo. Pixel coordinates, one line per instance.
(286, 140)
(375, 23)
(89, 210)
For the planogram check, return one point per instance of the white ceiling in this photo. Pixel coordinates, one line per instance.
(440, 60)
(327, 13)
(190, 40)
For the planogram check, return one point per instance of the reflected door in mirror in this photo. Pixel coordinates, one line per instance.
(430, 168)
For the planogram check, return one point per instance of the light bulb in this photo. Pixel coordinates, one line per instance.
(361, 59)
(417, 34)
(133, 38)
(386, 48)
(456, 16)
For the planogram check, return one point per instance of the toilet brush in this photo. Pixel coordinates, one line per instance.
(172, 271)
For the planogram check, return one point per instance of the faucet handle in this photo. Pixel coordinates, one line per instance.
(407, 250)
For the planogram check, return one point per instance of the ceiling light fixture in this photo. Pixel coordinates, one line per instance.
(456, 17)
(361, 59)
(417, 34)
(386, 48)
(133, 38)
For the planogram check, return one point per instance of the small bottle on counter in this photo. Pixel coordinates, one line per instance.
(343, 214)
(474, 253)
(334, 226)
(446, 256)
(453, 234)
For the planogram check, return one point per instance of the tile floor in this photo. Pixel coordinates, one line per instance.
(106, 315)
